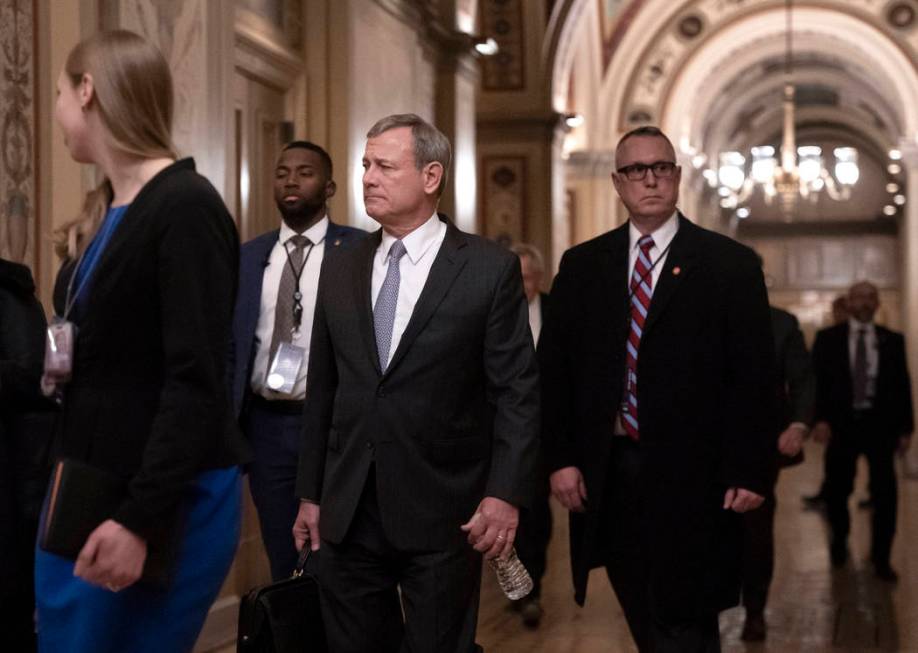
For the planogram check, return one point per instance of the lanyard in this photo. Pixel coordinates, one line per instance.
(97, 245)
(297, 295)
(71, 295)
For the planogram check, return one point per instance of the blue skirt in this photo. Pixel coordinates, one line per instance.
(76, 617)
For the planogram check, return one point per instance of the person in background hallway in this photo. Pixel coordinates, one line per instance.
(152, 296)
(278, 279)
(25, 433)
(817, 501)
(421, 423)
(535, 524)
(657, 362)
(795, 389)
(864, 404)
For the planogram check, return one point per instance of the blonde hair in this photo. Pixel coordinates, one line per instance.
(132, 91)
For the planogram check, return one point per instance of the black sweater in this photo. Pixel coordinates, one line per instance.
(22, 337)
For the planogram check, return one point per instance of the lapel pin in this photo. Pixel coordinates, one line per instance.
(677, 270)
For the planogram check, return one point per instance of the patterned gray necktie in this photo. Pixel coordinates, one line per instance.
(386, 302)
(283, 311)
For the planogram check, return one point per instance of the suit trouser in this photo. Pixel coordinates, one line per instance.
(361, 577)
(842, 464)
(274, 429)
(533, 533)
(628, 566)
(759, 552)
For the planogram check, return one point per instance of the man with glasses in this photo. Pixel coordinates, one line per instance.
(657, 405)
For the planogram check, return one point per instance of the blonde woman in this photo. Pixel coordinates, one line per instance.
(151, 297)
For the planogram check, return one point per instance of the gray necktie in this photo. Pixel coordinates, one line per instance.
(860, 370)
(386, 302)
(289, 284)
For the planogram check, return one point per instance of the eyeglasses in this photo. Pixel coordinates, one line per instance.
(637, 171)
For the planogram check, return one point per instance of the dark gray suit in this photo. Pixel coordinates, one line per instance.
(399, 460)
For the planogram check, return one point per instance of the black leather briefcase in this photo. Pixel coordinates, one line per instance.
(283, 617)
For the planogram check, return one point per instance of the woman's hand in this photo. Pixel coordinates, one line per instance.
(112, 557)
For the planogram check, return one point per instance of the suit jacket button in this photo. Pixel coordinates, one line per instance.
(381, 391)
(369, 445)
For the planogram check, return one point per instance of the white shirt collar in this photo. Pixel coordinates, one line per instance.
(662, 237)
(417, 243)
(315, 233)
(855, 325)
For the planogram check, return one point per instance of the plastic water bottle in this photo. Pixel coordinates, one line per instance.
(512, 576)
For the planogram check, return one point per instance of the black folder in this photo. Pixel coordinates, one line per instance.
(80, 498)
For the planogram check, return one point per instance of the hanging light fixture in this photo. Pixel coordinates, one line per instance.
(802, 171)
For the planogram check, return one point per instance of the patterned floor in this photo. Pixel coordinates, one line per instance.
(811, 609)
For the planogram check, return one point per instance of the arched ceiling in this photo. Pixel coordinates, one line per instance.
(711, 71)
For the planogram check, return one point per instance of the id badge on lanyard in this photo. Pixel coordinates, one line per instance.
(60, 341)
(59, 350)
(287, 362)
(285, 368)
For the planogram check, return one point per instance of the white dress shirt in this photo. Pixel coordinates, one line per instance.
(421, 248)
(873, 359)
(662, 238)
(535, 318)
(309, 284)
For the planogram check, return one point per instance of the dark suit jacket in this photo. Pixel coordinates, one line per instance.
(795, 384)
(253, 260)
(544, 310)
(835, 391)
(453, 419)
(148, 398)
(704, 388)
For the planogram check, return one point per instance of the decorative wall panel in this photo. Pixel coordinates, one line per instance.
(177, 28)
(502, 20)
(17, 132)
(504, 197)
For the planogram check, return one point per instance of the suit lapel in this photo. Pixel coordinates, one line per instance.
(680, 263)
(363, 300)
(251, 280)
(844, 355)
(614, 269)
(449, 262)
(333, 236)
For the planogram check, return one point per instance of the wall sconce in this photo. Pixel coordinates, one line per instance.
(486, 47)
(573, 120)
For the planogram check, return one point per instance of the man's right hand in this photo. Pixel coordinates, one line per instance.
(568, 488)
(306, 526)
(821, 432)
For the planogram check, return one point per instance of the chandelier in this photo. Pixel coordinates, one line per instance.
(802, 171)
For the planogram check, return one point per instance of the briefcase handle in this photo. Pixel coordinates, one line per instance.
(300, 568)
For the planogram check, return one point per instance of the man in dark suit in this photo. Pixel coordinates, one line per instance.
(795, 388)
(535, 523)
(817, 501)
(278, 280)
(864, 403)
(420, 434)
(657, 364)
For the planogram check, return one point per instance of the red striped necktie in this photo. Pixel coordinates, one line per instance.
(641, 292)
